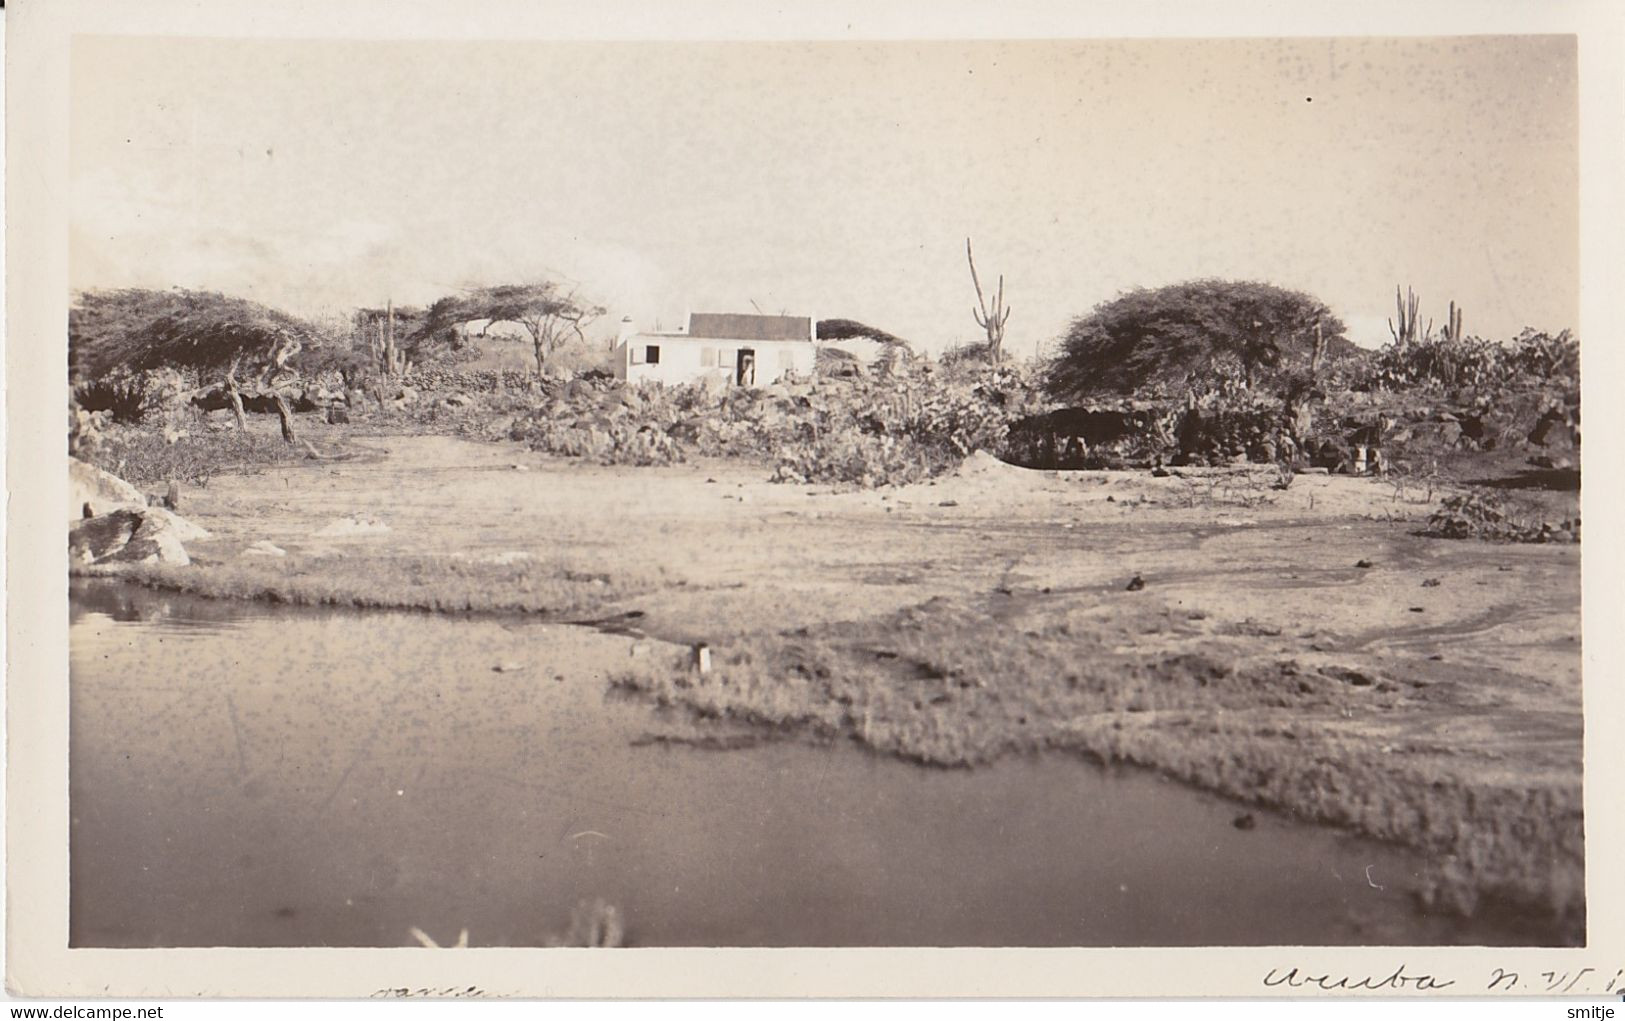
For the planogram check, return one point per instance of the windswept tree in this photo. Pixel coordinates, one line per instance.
(549, 313)
(238, 344)
(851, 329)
(1168, 337)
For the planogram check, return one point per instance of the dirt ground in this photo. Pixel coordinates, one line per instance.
(1455, 724)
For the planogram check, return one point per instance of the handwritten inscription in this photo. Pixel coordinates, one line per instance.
(1397, 980)
(430, 993)
(1578, 980)
(1582, 981)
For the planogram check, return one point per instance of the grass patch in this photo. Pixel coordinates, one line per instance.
(441, 584)
(143, 456)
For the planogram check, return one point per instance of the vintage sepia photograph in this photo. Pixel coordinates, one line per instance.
(823, 493)
(891, 494)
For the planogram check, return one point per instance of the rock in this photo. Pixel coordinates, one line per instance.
(1135, 584)
(101, 536)
(458, 400)
(185, 530)
(103, 492)
(155, 542)
(129, 537)
(1244, 821)
(408, 394)
(264, 548)
(1363, 564)
(508, 667)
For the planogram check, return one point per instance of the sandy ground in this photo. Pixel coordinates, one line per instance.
(1465, 656)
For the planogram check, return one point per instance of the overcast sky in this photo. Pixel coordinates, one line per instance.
(836, 179)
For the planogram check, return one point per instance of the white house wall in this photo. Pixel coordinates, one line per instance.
(683, 360)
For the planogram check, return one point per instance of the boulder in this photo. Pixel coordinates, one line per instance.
(94, 539)
(130, 537)
(103, 492)
(184, 529)
(154, 542)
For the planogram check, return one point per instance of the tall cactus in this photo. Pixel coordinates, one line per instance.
(1408, 308)
(391, 360)
(1453, 330)
(992, 322)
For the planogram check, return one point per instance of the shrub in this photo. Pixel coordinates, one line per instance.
(857, 431)
(1532, 359)
(623, 442)
(144, 456)
(1483, 515)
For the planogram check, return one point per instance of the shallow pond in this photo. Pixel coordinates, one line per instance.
(250, 775)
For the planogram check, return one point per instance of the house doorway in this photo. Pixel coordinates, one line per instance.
(746, 367)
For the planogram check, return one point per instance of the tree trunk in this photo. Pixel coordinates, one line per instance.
(285, 414)
(236, 399)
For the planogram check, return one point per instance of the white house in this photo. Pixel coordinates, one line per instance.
(721, 348)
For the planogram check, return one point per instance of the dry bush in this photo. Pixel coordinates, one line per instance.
(1482, 514)
(143, 455)
(859, 431)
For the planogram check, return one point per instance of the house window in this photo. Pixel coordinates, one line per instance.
(651, 354)
(708, 357)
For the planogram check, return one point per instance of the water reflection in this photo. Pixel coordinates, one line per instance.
(261, 776)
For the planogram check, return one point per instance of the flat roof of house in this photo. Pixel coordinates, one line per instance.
(740, 326)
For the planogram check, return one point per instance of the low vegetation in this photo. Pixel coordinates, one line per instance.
(1481, 514)
(441, 584)
(937, 685)
(149, 457)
